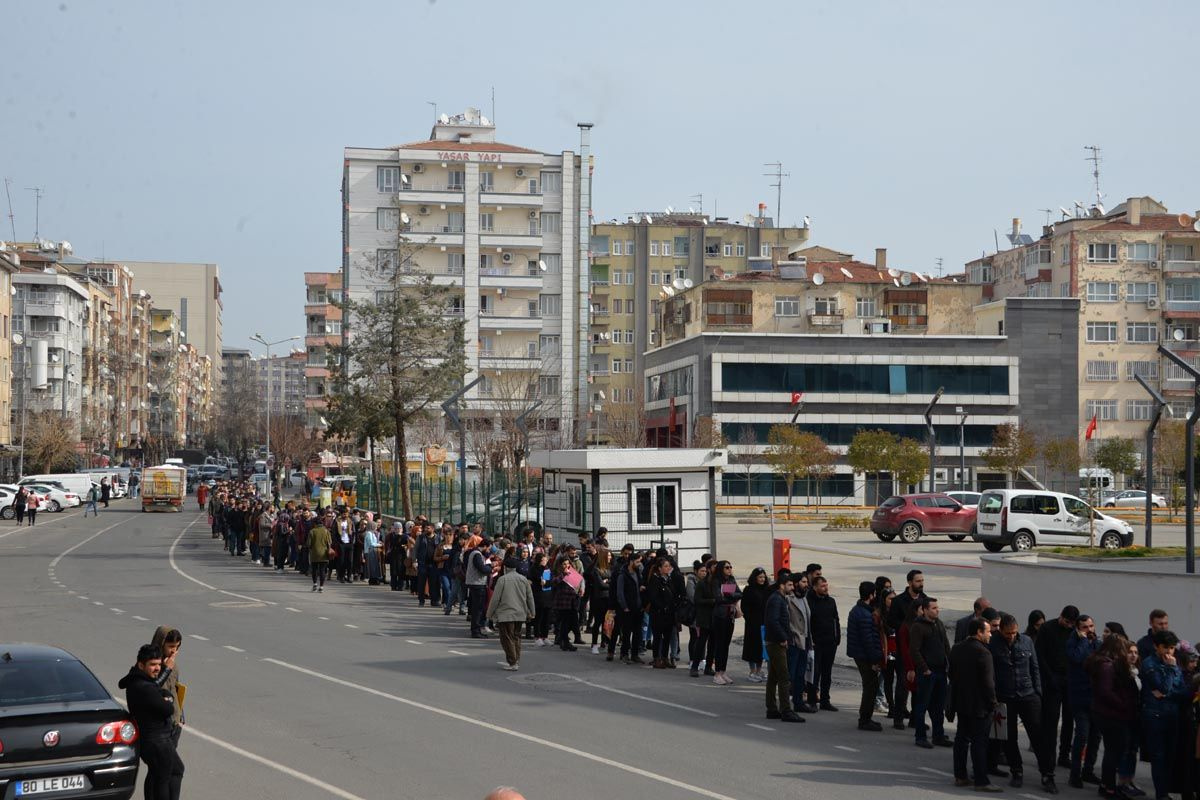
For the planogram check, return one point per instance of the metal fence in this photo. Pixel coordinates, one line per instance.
(501, 502)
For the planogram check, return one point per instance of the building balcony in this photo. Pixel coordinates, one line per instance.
(1181, 345)
(825, 319)
(524, 199)
(432, 193)
(597, 371)
(729, 320)
(1182, 266)
(530, 237)
(492, 360)
(434, 233)
(50, 308)
(498, 321)
(511, 276)
(1182, 308)
(909, 321)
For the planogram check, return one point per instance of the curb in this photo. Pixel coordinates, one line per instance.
(903, 559)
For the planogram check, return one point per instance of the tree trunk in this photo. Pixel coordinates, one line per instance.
(402, 452)
(789, 500)
(375, 496)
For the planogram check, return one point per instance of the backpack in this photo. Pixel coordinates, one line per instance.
(458, 565)
(685, 611)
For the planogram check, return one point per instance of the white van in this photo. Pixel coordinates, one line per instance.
(77, 483)
(1024, 518)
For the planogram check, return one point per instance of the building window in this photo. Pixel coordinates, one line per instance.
(1102, 370)
(1064, 255)
(1102, 410)
(387, 219)
(680, 274)
(616, 365)
(575, 505)
(551, 223)
(1180, 252)
(864, 306)
(628, 306)
(654, 506)
(764, 251)
(455, 263)
(1140, 291)
(727, 249)
(553, 262)
(666, 247)
(550, 305)
(683, 247)
(616, 247)
(788, 306)
(1138, 410)
(551, 182)
(486, 261)
(654, 247)
(1102, 331)
(654, 279)
(1100, 253)
(1141, 251)
(1147, 369)
(548, 385)
(741, 249)
(1102, 292)
(486, 181)
(629, 248)
(386, 259)
(1141, 332)
(487, 222)
(456, 179)
(825, 306)
(387, 179)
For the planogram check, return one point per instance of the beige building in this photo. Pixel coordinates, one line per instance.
(180, 386)
(322, 333)
(1136, 271)
(193, 292)
(9, 264)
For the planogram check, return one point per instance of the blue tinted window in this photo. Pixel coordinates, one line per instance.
(841, 433)
(865, 378)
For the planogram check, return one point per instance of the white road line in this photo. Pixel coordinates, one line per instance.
(234, 649)
(83, 597)
(349, 625)
(77, 545)
(294, 610)
(140, 619)
(760, 727)
(459, 653)
(1034, 796)
(937, 771)
(210, 587)
(844, 747)
(116, 610)
(384, 635)
(70, 591)
(324, 618)
(413, 641)
(619, 765)
(97, 603)
(198, 636)
(641, 697)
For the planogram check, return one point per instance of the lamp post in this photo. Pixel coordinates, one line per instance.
(962, 447)
(1189, 524)
(1159, 405)
(258, 337)
(932, 437)
(19, 341)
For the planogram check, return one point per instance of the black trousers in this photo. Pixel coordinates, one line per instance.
(870, 688)
(631, 632)
(164, 769)
(1028, 710)
(822, 674)
(475, 606)
(972, 734)
(1054, 707)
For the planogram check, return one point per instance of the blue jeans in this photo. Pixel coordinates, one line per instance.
(91, 506)
(1160, 732)
(444, 582)
(930, 696)
(797, 666)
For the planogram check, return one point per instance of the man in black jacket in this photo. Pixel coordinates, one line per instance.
(1051, 649)
(778, 630)
(973, 683)
(1018, 684)
(930, 649)
(913, 591)
(960, 627)
(152, 710)
(826, 637)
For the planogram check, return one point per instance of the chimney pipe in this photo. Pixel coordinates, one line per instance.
(880, 258)
(1016, 226)
(1134, 213)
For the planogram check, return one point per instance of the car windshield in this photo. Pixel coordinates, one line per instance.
(991, 503)
(892, 502)
(33, 682)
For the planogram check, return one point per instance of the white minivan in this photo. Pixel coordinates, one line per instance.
(1024, 518)
(78, 483)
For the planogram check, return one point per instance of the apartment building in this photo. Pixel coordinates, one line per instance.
(239, 367)
(322, 333)
(507, 227)
(180, 385)
(281, 381)
(10, 263)
(1136, 271)
(193, 292)
(47, 329)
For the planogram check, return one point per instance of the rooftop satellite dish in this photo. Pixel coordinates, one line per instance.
(1185, 220)
(670, 210)
(1066, 214)
(704, 220)
(688, 283)
(922, 277)
(404, 179)
(893, 272)
(1176, 334)
(818, 279)
(807, 221)
(678, 283)
(444, 119)
(541, 265)
(649, 221)
(691, 210)
(668, 291)
(404, 217)
(1196, 226)
(847, 272)
(895, 281)
(905, 279)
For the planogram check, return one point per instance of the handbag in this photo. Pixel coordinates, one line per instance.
(610, 622)
(331, 554)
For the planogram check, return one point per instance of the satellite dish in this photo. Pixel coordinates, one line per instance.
(807, 221)
(1066, 214)
(1196, 226)
(847, 273)
(649, 221)
(1185, 220)
(905, 279)
(670, 210)
(895, 281)
(922, 277)
(404, 179)
(818, 279)
(1176, 334)
(404, 217)
(688, 283)
(704, 220)
(541, 265)
(444, 119)
(893, 273)
(18, 339)
(677, 283)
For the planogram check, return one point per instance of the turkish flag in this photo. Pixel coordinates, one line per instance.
(796, 397)
(1091, 429)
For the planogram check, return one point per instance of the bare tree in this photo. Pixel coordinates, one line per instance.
(706, 433)
(49, 444)
(625, 423)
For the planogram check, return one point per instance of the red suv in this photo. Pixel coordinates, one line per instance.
(911, 516)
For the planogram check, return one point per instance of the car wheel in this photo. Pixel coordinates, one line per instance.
(1110, 505)
(993, 547)
(885, 537)
(7, 512)
(1111, 541)
(1022, 540)
(910, 532)
(957, 537)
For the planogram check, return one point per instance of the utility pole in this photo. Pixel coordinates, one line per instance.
(778, 175)
(37, 211)
(1095, 159)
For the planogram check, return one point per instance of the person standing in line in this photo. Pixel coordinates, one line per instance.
(511, 607)
(479, 569)
(660, 598)
(778, 635)
(1086, 742)
(1114, 702)
(960, 627)
(92, 496)
(1159, 621)
(169, 640)
(1163, 689)
(19, 504)
(320, 543)
(700, 643)
(599, 580)
(972, 679)
(629, 601)
(865, 646)
(1019, 686)
(754, 603)
(914, 590)
(153, 710)
(929, 645)
(725, 610)
(371, 547)
(393, 553)
(31, 507)
(1051, 648)
(826, 639)
(541, 582)
(800, 643)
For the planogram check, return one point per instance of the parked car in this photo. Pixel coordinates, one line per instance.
(1134, 498)
(57, 498)
(1023, 519)
(63, 734)
(213, 471)
(7, 511)
(911, 516)
(968, 499)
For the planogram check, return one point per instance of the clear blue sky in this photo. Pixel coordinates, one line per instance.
(184, 131)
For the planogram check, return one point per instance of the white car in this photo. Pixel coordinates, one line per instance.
(1025, 518)
(10, 493)
(965, 499)
(54, 497)
(1134, 498)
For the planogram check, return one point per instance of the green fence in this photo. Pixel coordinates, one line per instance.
(500, 502)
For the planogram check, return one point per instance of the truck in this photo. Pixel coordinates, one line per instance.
(164, 486)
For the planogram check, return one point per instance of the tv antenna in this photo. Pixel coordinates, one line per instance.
(939, 261)
(1047, 212)
(1095, 159)
(11, 220)
(434, 104)
(699, 198)
(778, 175)
(37, 211)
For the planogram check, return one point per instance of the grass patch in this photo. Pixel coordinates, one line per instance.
(1125, 552)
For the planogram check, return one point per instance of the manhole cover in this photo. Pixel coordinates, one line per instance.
(549, 682)
(237, 604)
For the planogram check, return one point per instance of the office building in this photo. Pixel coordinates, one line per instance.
(281, 381)
(193, 292)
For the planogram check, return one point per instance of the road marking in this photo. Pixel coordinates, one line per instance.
(1034, 796)
(97, 603)
(412, 641)
(847, 749)
(209, 586)
(324, 618)
(547, 743)
(83, 597)
(140, 619)
(234, 649)
(384, 635)
(198, 636)
(116, 611)
(349, 625)
(459, 653)
(760, 727)
(937, 771)
(641, 697)
(77, 545)
(294, 610)
(70, 591)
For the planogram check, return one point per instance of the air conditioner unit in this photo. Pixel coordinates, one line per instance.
(520, 172)
(533, 215)
(423, 210)
(507, 258)
(418, 168)
(1151, 303)
(1155, 265)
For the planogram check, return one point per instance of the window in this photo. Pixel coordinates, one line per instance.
(788, 306)
(1102, 331)
(764, 251)
(387, 219)
(551, 223)
(550, 305)
(1102, 370)
(666, 247)
(1064, 289)
(825, 306)
(680, 273)
(864, 306)
(486, 181)
(629, 306)
(1147, 369)
(1180, 252)
(1041, 504)
(487, 222)
(1181, 291)
(386, 259)
(727, 249)
(1141, 251)
(1102, 253)
(486, 304)
(1100, 409)
(551, 182)
(1102, 292)
(616, 365)
(455, 307)
(628, 394)
(1141, 332)
(387, 179)
(456, 221)
(576, 511)
(653, 278)
(487, 261)
(741, 249)
(654, 505)
(1064, 255)
(924, 502)
(616, 247)
(1138, 410)
(844, 378)
(455, 263)
(629, 365)
(456, 179)
(548, 385)
(629, 248)
(654, 247)
(1140, 291)
(683, 247)
(533, 186)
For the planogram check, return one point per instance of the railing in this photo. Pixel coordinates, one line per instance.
(510, 271)
(599, 281)
(496, 313)
(431, 227)
(433, 187)
(729, 319)
(530, 231)
(825, 317)
(1183, 305)
(909, 321)
(1183, 266)
(600, 371)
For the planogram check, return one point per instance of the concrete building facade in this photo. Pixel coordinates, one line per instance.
(193, 292)
(48, 310)
(281, 382)
(322, 334)
(9, 264)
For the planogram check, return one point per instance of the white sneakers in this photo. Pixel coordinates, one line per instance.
(721, 679)
(595, 649)
(541, 642)
(511, 667)
(756, 677)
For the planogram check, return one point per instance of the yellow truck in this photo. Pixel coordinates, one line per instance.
(163, 487)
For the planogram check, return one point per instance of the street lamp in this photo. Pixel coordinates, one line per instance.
(1148, 467)
(1189, 524)
(258, 337)
(932, 440)
(962, 447)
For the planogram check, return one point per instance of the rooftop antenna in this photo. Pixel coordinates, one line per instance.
(37, 211)
(1095, 159)
(493, 105)
(778, 175)
(434, 104)
(1047, 212)
(699, 198)
(11, 220)
(939, 261)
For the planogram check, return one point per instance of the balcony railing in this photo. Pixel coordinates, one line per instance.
(1183, 266)
(1186, 306)
(909, 320)
(729, 319)
(825, 317)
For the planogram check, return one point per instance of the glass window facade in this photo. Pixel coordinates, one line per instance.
(769, 484)
(841, 433)
(865, 378)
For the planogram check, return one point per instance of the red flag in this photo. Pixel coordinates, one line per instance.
(796, 397)
(1091, 429)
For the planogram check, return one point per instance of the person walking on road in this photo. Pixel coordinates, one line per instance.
(1019, 687)
(320, 543)
(19, 503)
(153, 710)
(972, 679)
(929, 646)
(510, 608)
(865, 646)
(92, 495)
(105, 491)
(31, 507)
(779, 637)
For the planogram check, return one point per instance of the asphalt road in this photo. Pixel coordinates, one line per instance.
(357, 693)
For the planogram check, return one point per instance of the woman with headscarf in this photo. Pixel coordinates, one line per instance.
(371, 547)
(754, 605)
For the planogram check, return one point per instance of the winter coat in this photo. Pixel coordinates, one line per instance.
(661, 599)
(1051, 647)
(826, 624)
(972, 679)
(704, 599)
(629, 596)
(862, 635)
(1016, 668)
(318, 544)
(168, 679)
(928, 645)
(1113, 694)
(512, 599)
(777, 620)
(542, 586)
(1165, 679)
(1079, 684)
(798, 621)
(151, 706)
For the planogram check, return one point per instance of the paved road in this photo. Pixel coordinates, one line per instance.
(356, 693)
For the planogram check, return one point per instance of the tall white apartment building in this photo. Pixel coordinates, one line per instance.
(508, 227)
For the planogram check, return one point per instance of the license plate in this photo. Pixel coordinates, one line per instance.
(987, 526)
(59, 783)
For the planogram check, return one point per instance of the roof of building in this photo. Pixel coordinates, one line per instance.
(832, 271)
(1149, 222)
(469, 147)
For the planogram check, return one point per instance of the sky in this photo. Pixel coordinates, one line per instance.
(214, 132)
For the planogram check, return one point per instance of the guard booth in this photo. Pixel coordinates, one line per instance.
(645, 496)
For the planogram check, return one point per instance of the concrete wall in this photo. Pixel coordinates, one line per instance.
(1020, 583)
